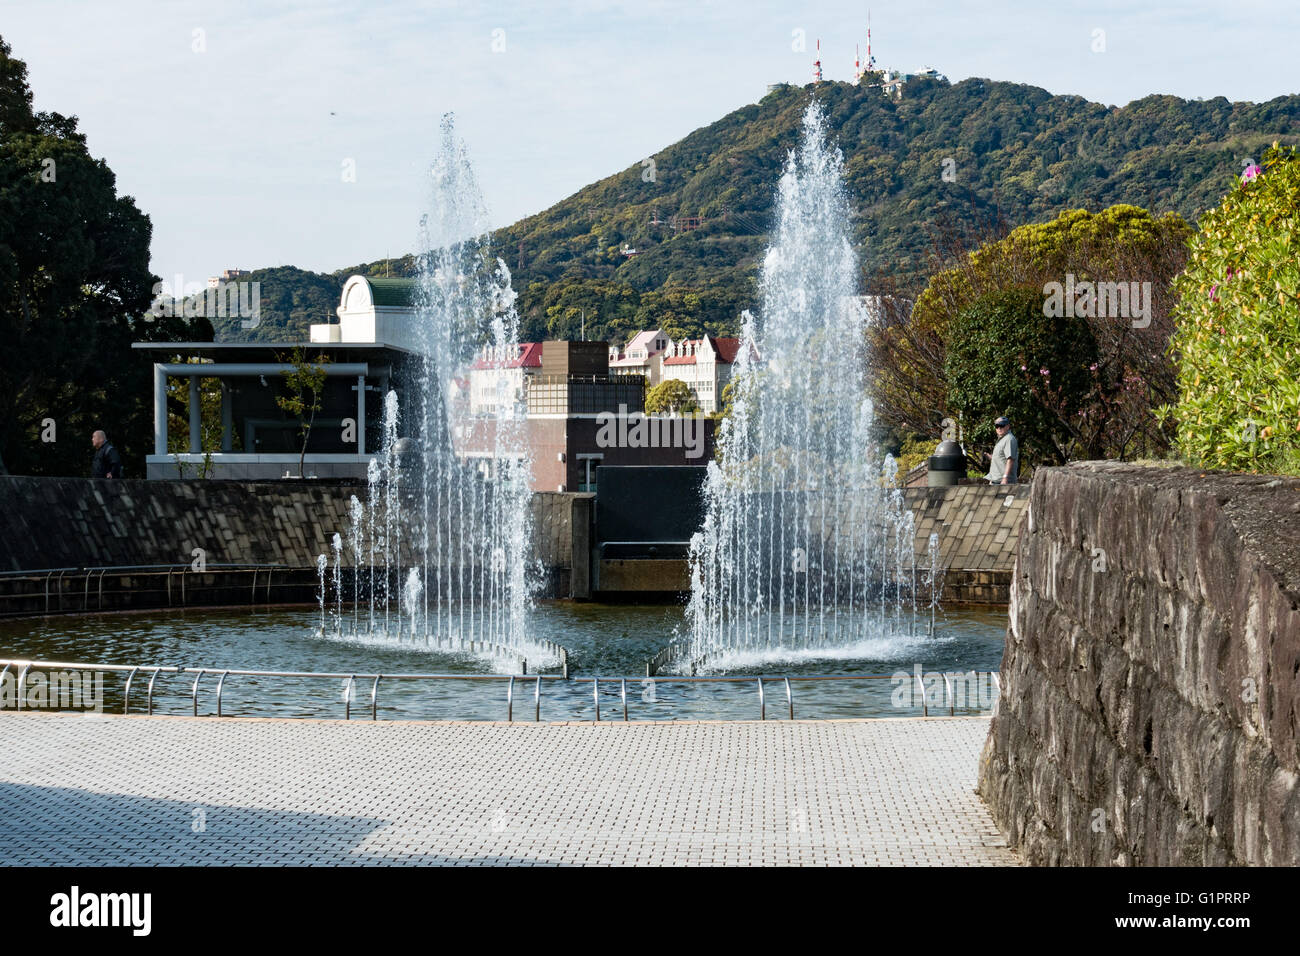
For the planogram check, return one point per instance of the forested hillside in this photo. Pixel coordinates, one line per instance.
(949, 161)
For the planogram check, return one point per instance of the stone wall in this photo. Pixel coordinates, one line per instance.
(1150, 708)
(978, 528)
(80, 523)
(77, 522)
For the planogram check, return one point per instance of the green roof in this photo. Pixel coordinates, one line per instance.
(392, 293)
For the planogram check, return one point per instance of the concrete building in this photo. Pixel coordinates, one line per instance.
(363, 354)
(496, 378)
(581, 412)
(583, 415)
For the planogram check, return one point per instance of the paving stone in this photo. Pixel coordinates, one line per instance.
(124, 791)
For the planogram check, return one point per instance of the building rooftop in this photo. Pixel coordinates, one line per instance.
(724, 347)
(530, 356)
(392, 293)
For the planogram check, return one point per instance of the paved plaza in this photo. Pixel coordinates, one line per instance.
(166, 791)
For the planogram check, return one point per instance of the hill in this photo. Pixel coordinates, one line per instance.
(952, 161)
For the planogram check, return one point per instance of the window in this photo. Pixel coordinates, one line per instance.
(587, 465)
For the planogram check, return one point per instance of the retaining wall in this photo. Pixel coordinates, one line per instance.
(80, 523)
(1150, 708)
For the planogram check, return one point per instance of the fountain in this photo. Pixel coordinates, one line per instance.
(440, 547)
(805, 552)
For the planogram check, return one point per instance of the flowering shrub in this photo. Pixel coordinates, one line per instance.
(1237, 339)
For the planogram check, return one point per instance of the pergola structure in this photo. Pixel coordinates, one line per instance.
(256, 437)
(362, 352)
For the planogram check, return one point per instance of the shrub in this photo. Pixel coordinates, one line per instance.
(1006, 358)
(1237, 344)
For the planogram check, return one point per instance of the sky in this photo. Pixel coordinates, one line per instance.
(266, 133)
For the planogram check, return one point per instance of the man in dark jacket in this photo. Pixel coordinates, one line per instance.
(107, 462)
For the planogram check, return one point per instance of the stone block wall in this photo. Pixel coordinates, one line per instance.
(978, 528)
(1150, 708)
(77, 522)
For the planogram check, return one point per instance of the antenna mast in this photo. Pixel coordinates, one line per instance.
(871, 63)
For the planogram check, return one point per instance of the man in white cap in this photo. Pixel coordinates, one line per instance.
(1004, 468)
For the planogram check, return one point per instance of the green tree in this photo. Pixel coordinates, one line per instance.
(1132, 374)
(672, 396)
(1006, 358)
(1238, 340)
(306, 383)
(74, 283)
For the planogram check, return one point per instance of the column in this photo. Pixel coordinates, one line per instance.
(227, 418)
(361, 414)
(196, 420)
(159, 410)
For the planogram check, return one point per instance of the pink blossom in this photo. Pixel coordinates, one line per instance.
(1250, 172)
(1042, 371)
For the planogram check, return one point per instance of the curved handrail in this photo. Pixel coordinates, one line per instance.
(348, 690)
(22, 685)
(126, 691)
(132, 672)
(220, 684)
(149, 693)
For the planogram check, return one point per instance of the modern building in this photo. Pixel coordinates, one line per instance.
(373, 310)
(581, 413)
(705, 365)
(497, 378)
(362, 355)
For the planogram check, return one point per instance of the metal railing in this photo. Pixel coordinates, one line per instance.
(759, 682)
(131, 670)
(96, 574)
